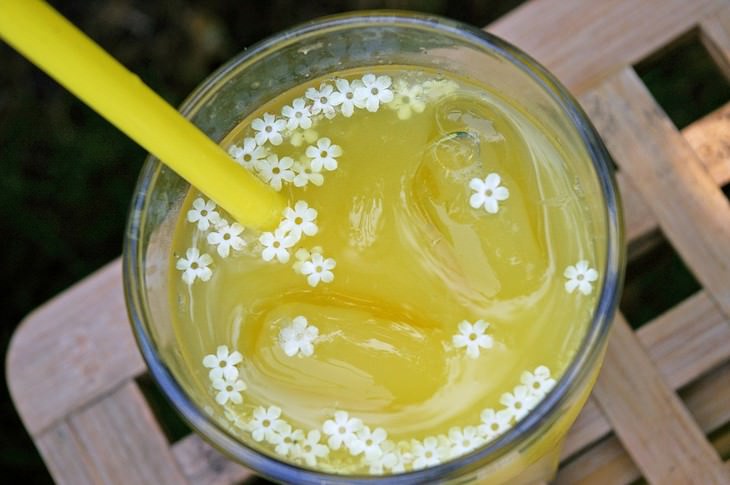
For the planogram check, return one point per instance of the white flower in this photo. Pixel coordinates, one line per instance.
(368, 442)
(288, 438)
(323, 155)
(229, 389)
(341, 430)
(275, 170)
(349, 101)
(194, 265)
(494, 423)
(428, 453)
(249, 155)
(464, 441)
(277, 244)
(472, 337)
(394, 457)
(518, 402)
(388, 458)
(203, 213)
(300, 219)
(580, 276)
(299, 137)
(297, 337)
(407, 100)
(437, 88)
(298, 114)
(310, 449)
(324, 100)
(488, 193)
(539, 383)
(235, 419)
(222, 364)
(317, 269)
(264, 424)
(374, 91)
(268, 129)
(303, 255)
(304, 173)
(226, 237)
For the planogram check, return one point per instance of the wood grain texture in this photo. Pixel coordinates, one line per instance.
(608, 462)
(649, 419)
(123, 442)
(687, 341)
(605, 463)
(684, 343)
(715, 35)
(710, 140)
(204, 465)
(707, 399)
(79, 344)
(582, 42)
(692, 212)
(65, 456)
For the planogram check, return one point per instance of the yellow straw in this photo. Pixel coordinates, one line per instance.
(52, 43)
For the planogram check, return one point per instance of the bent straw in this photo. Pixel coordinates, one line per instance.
(53, 44)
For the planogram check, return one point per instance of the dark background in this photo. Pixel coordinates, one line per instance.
(66, 176)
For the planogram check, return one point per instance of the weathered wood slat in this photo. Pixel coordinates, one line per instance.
(708, 139)
(649, 419)
(605, 463)
(685, 342)
(65, 456)
(123, 442)
(582, 42)
(204, 465)
(715, 35)
(608, 461)
(692, 212)
(79, 344)
(707, 399)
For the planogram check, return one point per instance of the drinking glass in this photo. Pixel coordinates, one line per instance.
(527, 452)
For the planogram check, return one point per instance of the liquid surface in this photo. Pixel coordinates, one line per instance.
(430, 281)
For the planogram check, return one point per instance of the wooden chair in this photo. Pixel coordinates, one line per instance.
(73, 362)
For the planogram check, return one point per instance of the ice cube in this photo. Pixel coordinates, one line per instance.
(498, 255)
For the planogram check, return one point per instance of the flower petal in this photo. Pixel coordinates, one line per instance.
(501, 193)
(221, 398)
(571, 285)
(476, 200)
(492, 181)
(491, 205)
(210, 361)
(459, 341)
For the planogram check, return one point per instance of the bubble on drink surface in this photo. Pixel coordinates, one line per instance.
(442, 179)
(457, 154)
(462, 113)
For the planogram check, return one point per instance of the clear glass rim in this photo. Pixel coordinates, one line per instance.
(569, 383)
